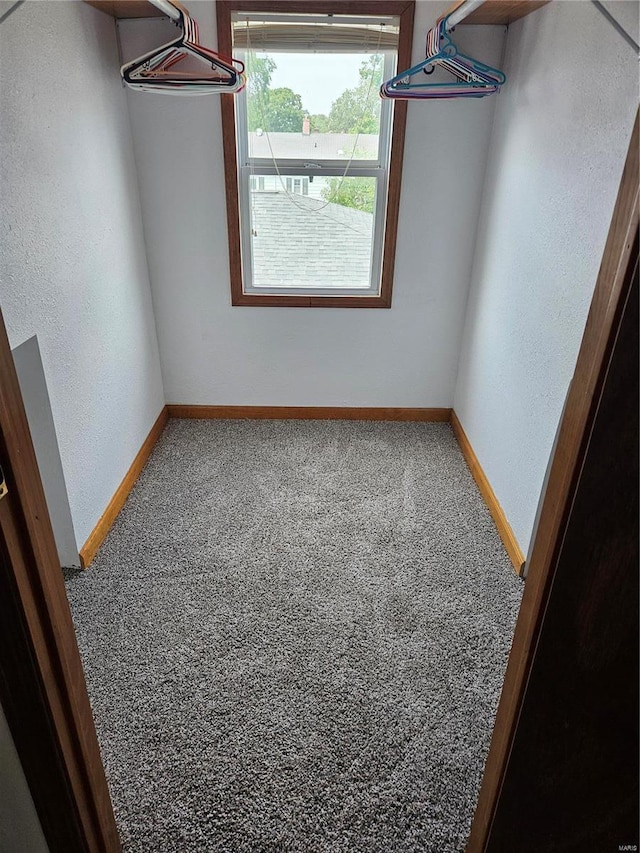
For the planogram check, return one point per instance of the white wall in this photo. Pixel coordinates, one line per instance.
(37, 406)
(561, 133)
(73, 268)
(20, 830)
(212, 353)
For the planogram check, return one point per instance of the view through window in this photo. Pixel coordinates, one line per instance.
(313, 143)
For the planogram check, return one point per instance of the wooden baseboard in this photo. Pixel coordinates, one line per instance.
(444, 415)
(96, 538)
(349, 413)
(497, 513)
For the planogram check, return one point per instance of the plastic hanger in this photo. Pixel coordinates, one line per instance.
(156, 71)
(474, 79)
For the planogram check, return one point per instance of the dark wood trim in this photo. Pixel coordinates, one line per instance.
(228, 113)
(395, 165)
(105, 522)
(351, 413)
(602, 323)
(575, 749)
(493, 504)
(318, 7)
(273, 301)
(42, 686)
(405, 10)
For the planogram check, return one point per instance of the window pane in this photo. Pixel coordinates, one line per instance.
(312, 233)
(314, 106)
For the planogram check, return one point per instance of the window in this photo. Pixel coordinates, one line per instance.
(313, 155)
(300, 186)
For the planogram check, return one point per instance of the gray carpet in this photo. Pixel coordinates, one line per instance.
(294, 639)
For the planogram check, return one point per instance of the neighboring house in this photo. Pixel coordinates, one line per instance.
(322, 146)
(309, 148)
(287, 249)
(298, 184)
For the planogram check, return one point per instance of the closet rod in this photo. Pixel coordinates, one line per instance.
(625, 35)
(168, 8)
(461, 12)
(11, 10)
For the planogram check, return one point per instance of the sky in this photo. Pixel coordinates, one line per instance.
(319, 78)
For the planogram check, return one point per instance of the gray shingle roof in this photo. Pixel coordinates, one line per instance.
(314, 146)
(303, 242)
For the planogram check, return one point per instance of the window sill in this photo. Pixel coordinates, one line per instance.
(272, 301)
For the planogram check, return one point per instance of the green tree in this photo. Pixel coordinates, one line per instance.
(357, 110)
(284, 112)
(359, 193)
(259, 72)
(271, 109)
(319, 123)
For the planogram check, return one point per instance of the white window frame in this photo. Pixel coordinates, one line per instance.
(256, 166)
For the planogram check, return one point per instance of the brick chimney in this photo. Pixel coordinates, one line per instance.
(306, 126)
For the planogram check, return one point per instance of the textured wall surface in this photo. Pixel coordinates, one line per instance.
(560, 138)
(37, 406)
(214, 354)
(73, 267)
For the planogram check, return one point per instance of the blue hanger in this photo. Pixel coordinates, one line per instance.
(474, 78)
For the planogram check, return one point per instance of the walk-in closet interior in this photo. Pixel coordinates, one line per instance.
(294, 294)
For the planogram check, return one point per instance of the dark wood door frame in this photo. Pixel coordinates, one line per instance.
(574, 759)
(609, 298)
(42, 685)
